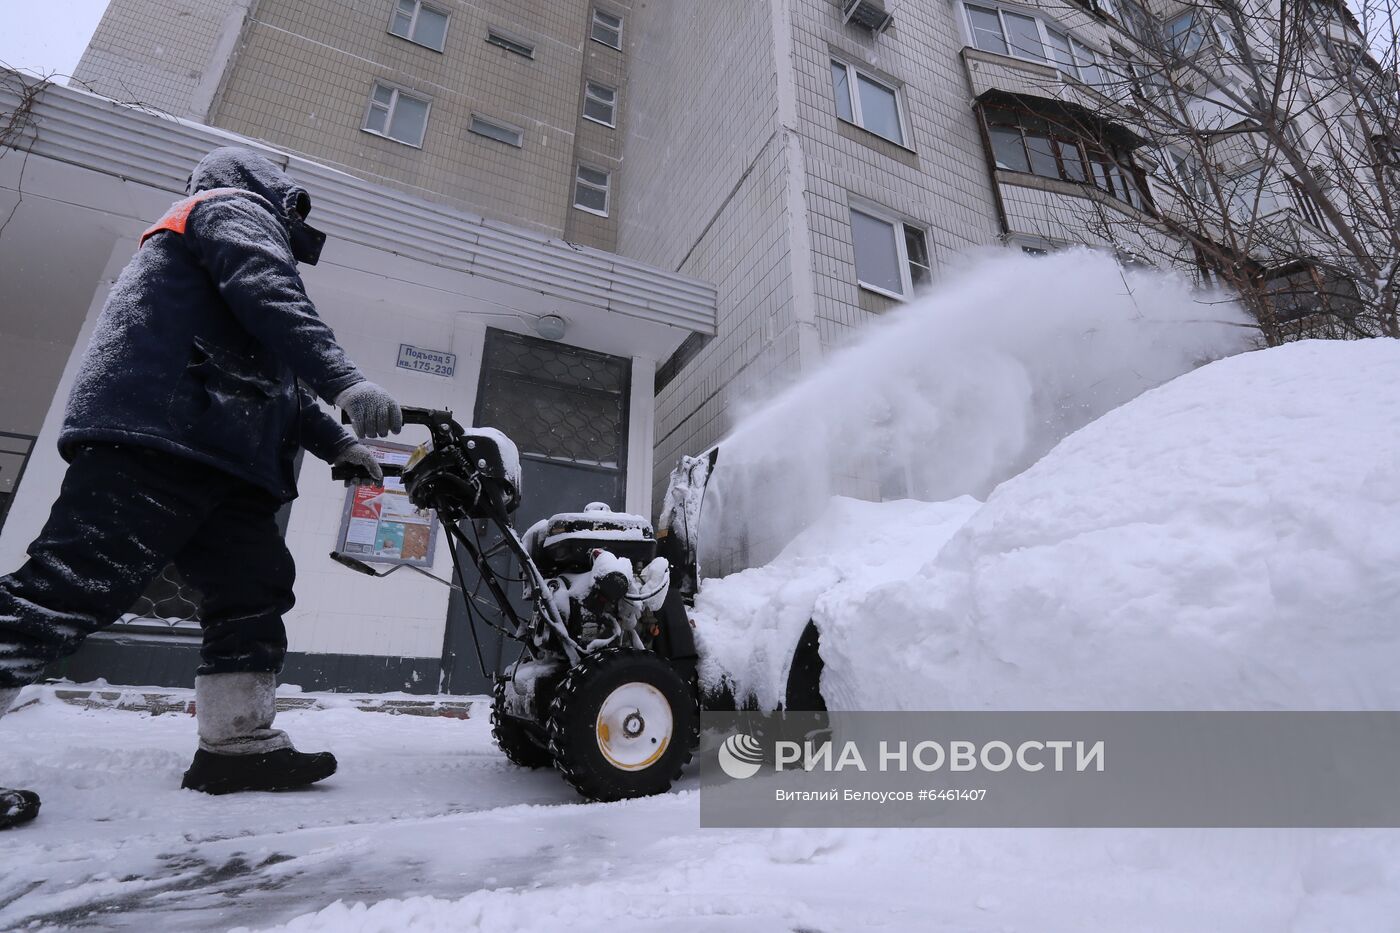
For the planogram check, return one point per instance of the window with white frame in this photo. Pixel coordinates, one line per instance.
(606, 29)
(397, 114)
(591, 190)
(1189, 32)
(867, 102)
(1249, 197)
(1190, 176)
(1007, 32)
(600, 103)
(417, 22)
(1186, 33)
(501, 132)
(891, 255)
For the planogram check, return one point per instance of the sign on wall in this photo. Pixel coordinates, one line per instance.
(432, 362)
(380, 524)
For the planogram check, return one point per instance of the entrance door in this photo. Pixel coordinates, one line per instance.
(566, 409)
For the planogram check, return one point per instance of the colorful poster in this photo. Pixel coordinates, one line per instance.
(380, 524)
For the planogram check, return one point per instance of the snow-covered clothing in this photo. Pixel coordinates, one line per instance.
(207, 333)
(235, 713)
(125, 512)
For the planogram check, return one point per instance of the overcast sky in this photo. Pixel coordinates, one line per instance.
(47, 36)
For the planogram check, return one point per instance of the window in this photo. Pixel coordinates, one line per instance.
(987, 33)
(416, 22)
(1247, 195)
(1023, 33)
(504, 41)
(1132, 79)
(1087, 62)
(606, 29)
(1187, 33)
(397, 115)
(600, 103)
(591, 190)
(1136, 20)
(510, 135)
(1298, 291)
(891, 256)
(1304, 204)
(1191, 177)
(1061, 55)
(1006, 33)
(867, 102)
(1025, 142)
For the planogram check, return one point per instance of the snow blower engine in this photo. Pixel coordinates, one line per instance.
(605, 685)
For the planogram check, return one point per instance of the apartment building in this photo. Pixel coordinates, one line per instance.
(816, 160)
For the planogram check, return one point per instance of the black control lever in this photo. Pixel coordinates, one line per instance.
(425, 416)
(347, 473)
(359, 566)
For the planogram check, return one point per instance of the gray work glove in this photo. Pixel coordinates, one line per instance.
(362, 458)
(373, 412)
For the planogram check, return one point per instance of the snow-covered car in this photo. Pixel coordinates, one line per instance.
(1226, 540)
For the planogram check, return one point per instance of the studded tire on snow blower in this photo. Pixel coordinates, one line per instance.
(623, 723)
(512, 736)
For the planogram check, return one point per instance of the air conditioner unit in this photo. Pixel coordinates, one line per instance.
(867, 13)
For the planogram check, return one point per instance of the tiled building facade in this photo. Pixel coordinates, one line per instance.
(486, 101)
(770, 147)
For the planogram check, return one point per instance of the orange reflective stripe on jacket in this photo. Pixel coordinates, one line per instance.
(178, 216)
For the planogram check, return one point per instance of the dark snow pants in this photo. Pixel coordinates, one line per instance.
(122, 515)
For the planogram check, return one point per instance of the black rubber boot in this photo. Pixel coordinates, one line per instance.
(17, 806)
(284, 769)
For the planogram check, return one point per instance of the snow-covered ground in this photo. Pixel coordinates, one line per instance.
(433, 830)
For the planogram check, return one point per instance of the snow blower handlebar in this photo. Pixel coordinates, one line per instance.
(440, 424)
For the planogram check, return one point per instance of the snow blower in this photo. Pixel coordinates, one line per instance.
(605, 686)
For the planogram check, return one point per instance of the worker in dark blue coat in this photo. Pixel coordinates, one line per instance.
(196, 392)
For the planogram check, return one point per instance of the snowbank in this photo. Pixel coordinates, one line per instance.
(1228, 540)
(746, 624)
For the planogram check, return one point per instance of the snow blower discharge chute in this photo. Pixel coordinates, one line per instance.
(605, 685)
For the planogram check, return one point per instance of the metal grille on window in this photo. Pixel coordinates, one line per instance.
(170, 604)
(557, 402)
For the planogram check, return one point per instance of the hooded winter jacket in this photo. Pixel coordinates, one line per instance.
(208, 340)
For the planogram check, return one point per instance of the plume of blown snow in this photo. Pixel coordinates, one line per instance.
(959, 390)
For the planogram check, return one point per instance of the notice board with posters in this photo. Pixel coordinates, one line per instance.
(380, 524)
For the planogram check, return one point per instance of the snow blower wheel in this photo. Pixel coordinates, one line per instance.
(623, 724)
(513, 736)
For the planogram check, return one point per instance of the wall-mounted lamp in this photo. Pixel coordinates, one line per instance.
(551, 327)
